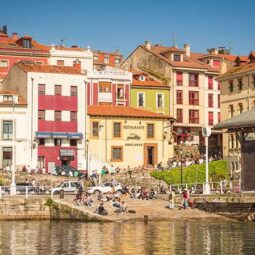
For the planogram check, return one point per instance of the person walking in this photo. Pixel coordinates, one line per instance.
(171, 199)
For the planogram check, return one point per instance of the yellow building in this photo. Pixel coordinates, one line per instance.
(237, 96)
(126, 136)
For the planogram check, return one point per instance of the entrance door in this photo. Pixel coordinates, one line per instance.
(150, 154)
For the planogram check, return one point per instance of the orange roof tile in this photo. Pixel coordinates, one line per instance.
(124, 111)
(47, 68)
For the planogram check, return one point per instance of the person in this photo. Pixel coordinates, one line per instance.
(123, 207)
(171, 199)
(100, 196)
(29, 169)
(159, 166)
(70, 174)
(112, 170)
(43, 170)
(80, 184)
(116, 202)
(36, 169)
(152, 194)
(129, 172)
(101, 210)
(185, 198)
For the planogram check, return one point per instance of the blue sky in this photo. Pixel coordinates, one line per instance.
(107, 24)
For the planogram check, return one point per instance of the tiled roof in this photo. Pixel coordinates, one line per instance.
(107, 53)
(47, 68)
(124, 111)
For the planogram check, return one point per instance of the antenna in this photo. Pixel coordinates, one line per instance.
(174, 42)
(62, 41)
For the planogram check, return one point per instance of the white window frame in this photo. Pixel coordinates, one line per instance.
(4, 61)
(163, 100)
(138, 99)
(108, 61)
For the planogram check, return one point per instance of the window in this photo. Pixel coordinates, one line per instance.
(231, 86)
(117, 60)
(26, 43)
(231, 111)
(194, 116)
(3, 63)
(95, 57)
(95, 129)
(106, 60)
(240, 106)
(41, 141)
(120, 91)
(240, 84)
(218, 117)
(150, 130)
(177, 57)
(160, 103)
(117, 153)
(73, 90)
(60, 62)
(73, 142)
(210, 82)
(41, 89)
(105, 87)
(179, 98)
(41, 114)
(210, 100)
(7, 98)
(141, 100)
(179, 81)
(193, 80)
(210, 118)
(57, 142)
(58, 89)
(57, 115)
(116, 129)
(216, 63)
(73, 116)
(7, 130)
(41, 162)
(193, 98)
(179, 114)
(218, 101)
(219, 85)
(7, 156)
(231, 141)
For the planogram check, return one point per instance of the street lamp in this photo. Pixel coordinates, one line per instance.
(87, 156)
(181, 165)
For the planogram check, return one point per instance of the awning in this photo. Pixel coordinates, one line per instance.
(67, 153)
(59, 135)
(43, 134)
(75, 135)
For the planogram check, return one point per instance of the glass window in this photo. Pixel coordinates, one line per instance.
(73, 142)
(95, 129)
(73, 116)
(26, 43)
(240, 84)
(231, 86)
(193, 80)
(160, 101)
(116, 129)
(41, 162)
(7, 130)
(57, 142)
(194, 116)
(41, 89)
(3, 63)
(179, 98)
(7, 156)
(210, 100)
(210, 82)
(105, 87)
(41, 141)
(95, 57)
(177, 57)
(41, 114)
(179, 80)
(150, 130)
(120, 91)
(73, 90)
(141, 99)
(8, 98)
(193, 97)
(117, 154)
(60, 62)
(57, 115)
(106, 59)
(58, 89)
(179, 115)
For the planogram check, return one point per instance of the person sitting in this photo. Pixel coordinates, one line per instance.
(123, 207)
(152, 194)
(101, 210)
(109, 196)
(145, 194)
(100, 196)
(87, 201)
(132, 193)
(116, 202)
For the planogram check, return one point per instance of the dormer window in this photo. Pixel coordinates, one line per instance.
(141, 78)
(177, 57)
(26, 43)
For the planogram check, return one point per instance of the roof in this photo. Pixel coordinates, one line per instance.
(245, 119)
(124, 111)
(8, 92)
(32, 67)
(116, 53)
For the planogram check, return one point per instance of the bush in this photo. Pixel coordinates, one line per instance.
(193, 174)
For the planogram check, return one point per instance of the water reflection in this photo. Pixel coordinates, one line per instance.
(189, 237)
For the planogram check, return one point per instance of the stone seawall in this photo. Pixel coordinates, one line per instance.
(23, 209)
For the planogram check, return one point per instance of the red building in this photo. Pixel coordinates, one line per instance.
(14, 49)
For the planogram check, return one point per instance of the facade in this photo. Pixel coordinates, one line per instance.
(237, 96)
(194, 95)
(149, 94)
(126, 136)
(56, 124)
(14, 49)
(14, 137)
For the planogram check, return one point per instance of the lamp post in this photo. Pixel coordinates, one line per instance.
(181, 165)
(87, 157)
(13, 184)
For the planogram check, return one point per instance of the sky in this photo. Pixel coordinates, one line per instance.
(110, 24)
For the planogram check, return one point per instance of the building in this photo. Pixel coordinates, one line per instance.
(194, 95)
(237, 96)
(56, 105)
(149, 94)
(102, 59)
(17, 48)
(14, 137)
(126, 136)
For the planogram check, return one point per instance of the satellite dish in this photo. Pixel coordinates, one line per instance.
(206, 131)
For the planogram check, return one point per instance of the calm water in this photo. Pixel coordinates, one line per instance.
(190, 237)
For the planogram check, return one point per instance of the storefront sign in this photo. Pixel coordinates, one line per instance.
(66, 153)
(133, 136)
(133, 144)
(133, 127)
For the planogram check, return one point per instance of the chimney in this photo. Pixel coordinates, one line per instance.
(148, 44)
(187, 49)
(15, 36)
(5, 29)
(77, 64)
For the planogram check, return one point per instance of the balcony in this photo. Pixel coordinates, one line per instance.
(104, 97)
(193, 83)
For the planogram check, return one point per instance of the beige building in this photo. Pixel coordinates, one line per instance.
(126, 136)
(237, 96)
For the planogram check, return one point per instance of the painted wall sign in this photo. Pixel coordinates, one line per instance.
(133, 127)
(133, 136)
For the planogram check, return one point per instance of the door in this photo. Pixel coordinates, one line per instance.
(150, 154)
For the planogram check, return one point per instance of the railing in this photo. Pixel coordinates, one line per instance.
(222, 187)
